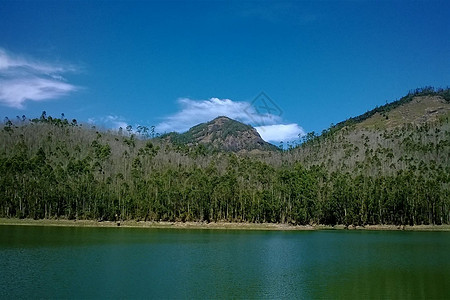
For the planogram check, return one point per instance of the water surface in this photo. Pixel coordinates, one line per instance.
(76, 262)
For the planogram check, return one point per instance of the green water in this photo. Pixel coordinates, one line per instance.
(71, 262)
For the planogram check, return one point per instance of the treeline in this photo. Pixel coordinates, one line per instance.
(52, 168)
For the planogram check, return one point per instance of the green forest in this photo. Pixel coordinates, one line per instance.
(54, 168)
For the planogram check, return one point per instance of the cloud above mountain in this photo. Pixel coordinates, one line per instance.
(24, 79)
(192, 112)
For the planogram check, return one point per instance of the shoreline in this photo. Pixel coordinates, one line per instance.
(215, 225)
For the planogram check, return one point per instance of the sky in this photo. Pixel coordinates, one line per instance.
(285, 67)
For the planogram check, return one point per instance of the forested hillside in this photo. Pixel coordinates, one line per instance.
(352, 174)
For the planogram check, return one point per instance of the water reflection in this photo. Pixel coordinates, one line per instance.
(57, 262)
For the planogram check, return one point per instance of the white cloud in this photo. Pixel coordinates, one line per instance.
(194, 112)
(23, 79)
(16, 91)
(280, 132)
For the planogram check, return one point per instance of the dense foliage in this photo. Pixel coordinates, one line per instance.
(53, 168)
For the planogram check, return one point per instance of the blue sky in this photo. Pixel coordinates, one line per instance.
(175, 64)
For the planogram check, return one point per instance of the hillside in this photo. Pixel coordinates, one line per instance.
(420, 110)
(356, 173)
(222, 134)
(412, 133)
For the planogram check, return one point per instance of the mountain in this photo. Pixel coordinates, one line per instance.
(223, 134)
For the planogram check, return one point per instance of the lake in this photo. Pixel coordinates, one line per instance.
(77, 262)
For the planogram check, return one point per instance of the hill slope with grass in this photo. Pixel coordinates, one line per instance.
(411, 133)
